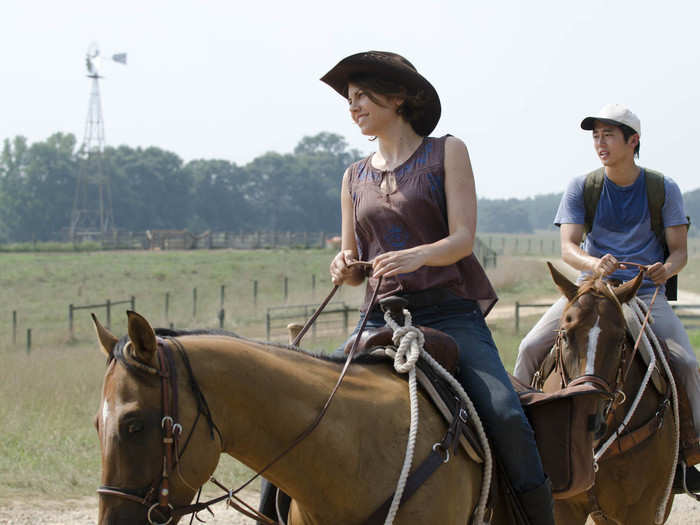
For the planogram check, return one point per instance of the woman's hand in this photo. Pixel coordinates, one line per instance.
(340, 271)
(395, 263)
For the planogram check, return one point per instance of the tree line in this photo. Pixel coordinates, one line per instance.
(152, 188)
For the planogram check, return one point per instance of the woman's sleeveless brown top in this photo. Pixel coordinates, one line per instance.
(411, 214)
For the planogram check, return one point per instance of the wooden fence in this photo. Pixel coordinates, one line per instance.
(107, 305)
(335, 315)
(185, 240)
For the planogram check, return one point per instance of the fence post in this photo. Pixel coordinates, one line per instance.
(222, 295)
(267, 324)
(167, 306)
(108, 305)
(132, 299)
(14, 327)
(346, 318)
(255, 293)
(322, 240)
(286, 288)
(517, 317)
(222, 314)
(313, 286)
(194, 302)
(29, 340)
(70, 322)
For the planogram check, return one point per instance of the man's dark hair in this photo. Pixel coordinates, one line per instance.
(627, 132)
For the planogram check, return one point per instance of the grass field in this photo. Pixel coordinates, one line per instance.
(48, 398)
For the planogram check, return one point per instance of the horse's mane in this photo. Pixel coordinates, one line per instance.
(118, 352)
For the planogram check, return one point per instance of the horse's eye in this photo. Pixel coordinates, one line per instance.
(136, 426)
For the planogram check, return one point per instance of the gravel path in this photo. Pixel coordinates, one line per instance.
(84, 512)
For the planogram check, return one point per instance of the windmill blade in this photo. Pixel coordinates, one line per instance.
(119, 57)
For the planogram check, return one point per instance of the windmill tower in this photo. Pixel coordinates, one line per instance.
(92, 206)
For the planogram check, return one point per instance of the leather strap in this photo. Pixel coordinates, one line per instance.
(427, 468)
(636, 437)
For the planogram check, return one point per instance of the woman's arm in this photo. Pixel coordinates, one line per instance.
(340, 273)
(460, 194)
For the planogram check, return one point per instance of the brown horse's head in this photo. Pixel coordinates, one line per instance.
(592, 332)
(130, 427)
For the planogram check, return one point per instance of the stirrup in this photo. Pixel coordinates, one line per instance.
(683, 489)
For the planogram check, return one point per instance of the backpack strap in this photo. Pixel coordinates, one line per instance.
(592, 188)
(656, 196)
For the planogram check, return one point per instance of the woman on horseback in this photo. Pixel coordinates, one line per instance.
(410, 209)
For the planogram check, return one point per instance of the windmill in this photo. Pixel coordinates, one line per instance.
(92, 206)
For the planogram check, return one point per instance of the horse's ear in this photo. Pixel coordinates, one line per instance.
(568, 288)
(142, 337)
(628, 290)
(106, 339)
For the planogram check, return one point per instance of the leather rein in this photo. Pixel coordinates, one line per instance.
(156, 497)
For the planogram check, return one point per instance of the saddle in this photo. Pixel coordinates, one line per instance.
(567, 454)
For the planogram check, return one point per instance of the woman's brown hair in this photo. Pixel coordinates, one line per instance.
(413, 102)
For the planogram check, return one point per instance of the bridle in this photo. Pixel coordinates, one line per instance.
(616, 395)
(602, 384)
(156, 497)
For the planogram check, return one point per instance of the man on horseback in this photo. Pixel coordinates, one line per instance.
(627, 213)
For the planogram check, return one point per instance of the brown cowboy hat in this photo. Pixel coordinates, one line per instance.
(394, 67)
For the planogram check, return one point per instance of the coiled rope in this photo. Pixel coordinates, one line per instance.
(409, 341)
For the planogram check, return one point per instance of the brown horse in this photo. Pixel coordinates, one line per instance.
(630, 484)
(259, 397)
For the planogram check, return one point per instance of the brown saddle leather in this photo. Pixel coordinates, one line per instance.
(442, 347)
(563, 433)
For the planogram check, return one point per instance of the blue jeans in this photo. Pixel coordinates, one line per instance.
(486, 382)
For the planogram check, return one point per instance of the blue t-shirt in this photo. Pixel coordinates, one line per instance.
(622, 224)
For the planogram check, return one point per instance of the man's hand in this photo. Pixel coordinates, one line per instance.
(339, 268)
(658, 273)
(606, 265)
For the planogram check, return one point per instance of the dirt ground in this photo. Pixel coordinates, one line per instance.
(84, 512)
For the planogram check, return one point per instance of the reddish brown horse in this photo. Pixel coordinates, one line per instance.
(259, 397)
(630, 485)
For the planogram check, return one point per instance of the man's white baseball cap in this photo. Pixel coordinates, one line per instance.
(614, 114)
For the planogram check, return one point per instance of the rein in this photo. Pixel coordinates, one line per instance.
(171, 430)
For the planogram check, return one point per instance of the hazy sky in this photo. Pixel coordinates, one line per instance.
(232, 80)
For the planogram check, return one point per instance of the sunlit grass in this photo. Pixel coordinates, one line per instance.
(48, 398)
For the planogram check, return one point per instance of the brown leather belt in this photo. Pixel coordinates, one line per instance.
(428, 297)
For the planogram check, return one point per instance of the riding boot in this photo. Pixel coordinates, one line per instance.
(538, 504)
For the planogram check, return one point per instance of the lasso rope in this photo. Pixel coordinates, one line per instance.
(409, 341)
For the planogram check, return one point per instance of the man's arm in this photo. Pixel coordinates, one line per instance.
(677, 241)
(571, 236)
